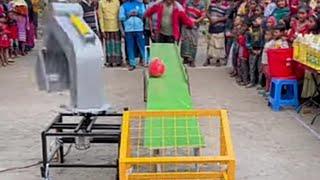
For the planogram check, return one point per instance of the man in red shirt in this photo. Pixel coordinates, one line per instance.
(170, 16)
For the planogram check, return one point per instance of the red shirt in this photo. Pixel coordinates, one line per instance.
(243, 50)
(195, 10)
(4, 29)
(4, 36)
(298, 28)
(13, 32)
(293, 4)
(179, 17)
(183, 2)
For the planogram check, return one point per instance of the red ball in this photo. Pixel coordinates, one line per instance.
(156, 67)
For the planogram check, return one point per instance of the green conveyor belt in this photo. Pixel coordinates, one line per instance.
(170, 92)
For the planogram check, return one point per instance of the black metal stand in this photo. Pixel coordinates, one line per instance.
(317, 93)
(70, 133)
(311, 100)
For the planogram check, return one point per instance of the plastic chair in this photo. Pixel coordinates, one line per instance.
(284, 92)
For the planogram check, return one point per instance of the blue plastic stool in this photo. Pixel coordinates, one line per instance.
(284, 92)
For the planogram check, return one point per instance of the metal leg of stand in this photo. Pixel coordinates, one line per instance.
(309, 101)
(117, 173)
(61, 149)
(146, 54)
(89, 127)
(44, 167)
(315, 94)
(316, 83)
(314, 118)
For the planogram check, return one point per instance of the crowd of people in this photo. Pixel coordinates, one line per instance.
(18, 28)
(140, 23)
(247, 29)
(239, 31)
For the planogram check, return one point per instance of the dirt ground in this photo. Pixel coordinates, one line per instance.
(268, 145)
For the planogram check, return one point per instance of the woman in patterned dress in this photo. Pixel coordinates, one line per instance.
(195, 10)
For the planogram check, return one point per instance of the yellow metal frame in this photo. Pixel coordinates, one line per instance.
(226, 156)
(81, 27)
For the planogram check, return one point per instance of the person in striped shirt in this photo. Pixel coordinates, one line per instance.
(218, 14)
(195, 10)
(89, 14)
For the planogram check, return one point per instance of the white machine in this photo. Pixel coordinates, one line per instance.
(72, 59)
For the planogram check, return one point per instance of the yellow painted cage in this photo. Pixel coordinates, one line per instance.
(192, 144)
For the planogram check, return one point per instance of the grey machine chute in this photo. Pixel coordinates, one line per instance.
(72, 61)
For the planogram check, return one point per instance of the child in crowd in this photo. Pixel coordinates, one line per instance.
(243, 56)
(281, 11)
(263, 67)
(235, 46)
(229, 26)
(23, 26)
(293, 5)
(279, 40)
(13, 28)
(299, 25)
(4, 40)
(253, 4)
(258, 12)
(314, 24)
(255, 45)
(271, 22)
